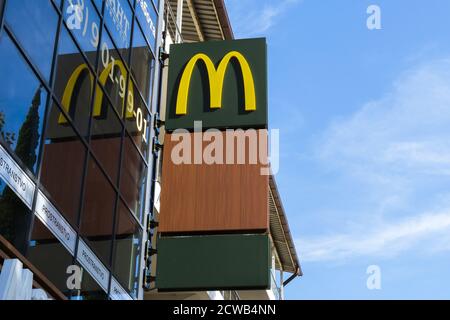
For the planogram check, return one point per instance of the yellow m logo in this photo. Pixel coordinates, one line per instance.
(216, 78)
(77, 76)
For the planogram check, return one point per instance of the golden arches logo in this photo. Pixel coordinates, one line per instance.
(76, 77)
(216, 79)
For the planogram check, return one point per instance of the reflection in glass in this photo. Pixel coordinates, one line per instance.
(15, 218)
(48, 255)
(147, 17)
(74, 119)
(97, 218)
(106, 138)
(82, 19)
(90, 290)
(138, 121)
(58, 3)
(22, 107)
(73, 86)
(62, 166)
(98, 4)
(133, 180)
(156, 3)
(34, 24)
(142, 64)
(127, 250)
(113, 73)
(118, 17)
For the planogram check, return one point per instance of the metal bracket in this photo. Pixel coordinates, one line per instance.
(158, 122)
(152, 252)
(157, 146)
(153, 224)
(163, 55)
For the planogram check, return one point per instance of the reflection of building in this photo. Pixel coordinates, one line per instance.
(83, 192)
(80, 156)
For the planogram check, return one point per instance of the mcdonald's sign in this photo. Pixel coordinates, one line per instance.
(221, 83)
(75, 86)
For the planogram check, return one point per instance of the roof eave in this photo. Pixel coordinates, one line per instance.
(285, 226)
(224, 19)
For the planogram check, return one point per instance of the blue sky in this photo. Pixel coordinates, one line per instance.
(365, 156)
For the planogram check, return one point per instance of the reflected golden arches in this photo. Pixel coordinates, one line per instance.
(70, 87)
(104, 77)
(97, 110)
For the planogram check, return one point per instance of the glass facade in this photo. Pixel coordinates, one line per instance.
(76, 90)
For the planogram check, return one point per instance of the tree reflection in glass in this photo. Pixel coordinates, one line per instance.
(15, 217)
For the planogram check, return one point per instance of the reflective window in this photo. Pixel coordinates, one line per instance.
(22, 105)
(113, 74)
(34, 24)
(127, 250)
(133, 180)
(106, 136)
(138, 120)
(98, 4)
(147, 17)
(156, 3)
(15, 218)
(90, 290)
(118, 18)
(74, 85)
(97, 218)
(47, 254)
(57, 3)
(82, 19)
(90, 153)
(63, 165)
(142, 64)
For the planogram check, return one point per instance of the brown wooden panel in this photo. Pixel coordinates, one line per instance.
(213, 198)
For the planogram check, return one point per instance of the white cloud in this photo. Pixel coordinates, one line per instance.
(255, 17)
(384, 240)
(407, 130)
(397, 149)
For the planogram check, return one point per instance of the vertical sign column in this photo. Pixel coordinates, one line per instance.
(214, 218)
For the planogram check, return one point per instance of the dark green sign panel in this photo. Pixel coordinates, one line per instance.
(221, 83)
(213, 262)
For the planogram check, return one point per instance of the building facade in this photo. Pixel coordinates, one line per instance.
(83, 87)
